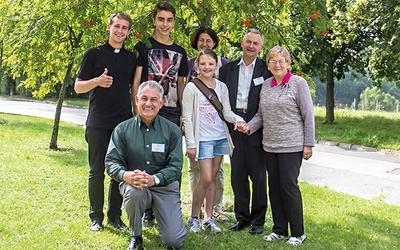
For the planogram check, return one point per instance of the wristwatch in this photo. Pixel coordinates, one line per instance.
(156, 180)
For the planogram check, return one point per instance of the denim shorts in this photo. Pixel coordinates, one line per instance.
(207, 149)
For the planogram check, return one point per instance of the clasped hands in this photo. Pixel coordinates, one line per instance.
(138, 179)
(241, 127)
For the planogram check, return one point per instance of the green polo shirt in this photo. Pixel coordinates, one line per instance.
(156, 148)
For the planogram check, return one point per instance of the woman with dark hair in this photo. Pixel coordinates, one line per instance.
(203, 38)
(206, 38)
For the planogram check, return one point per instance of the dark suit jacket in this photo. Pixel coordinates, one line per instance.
(229, 74)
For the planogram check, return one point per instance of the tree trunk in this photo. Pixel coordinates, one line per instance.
(330, 98)
(66, 81)
(11, 92)
(75, 41)
(206, 22)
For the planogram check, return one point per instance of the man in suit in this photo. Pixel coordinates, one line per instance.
(244, 78)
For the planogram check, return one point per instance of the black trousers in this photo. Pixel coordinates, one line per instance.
(284, 192)
(248, 165)
(98, 140)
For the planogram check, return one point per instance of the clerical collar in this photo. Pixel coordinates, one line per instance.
(116, 51)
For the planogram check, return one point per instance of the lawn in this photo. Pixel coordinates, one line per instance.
(380, 130)
(44, 202)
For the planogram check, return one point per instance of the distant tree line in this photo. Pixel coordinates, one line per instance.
(358, 92)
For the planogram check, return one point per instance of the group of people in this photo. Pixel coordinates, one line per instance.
(140, 107)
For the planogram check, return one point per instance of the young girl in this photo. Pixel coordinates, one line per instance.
(207, 137)
(206, 38)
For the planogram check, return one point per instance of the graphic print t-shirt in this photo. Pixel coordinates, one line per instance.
(211, 126)
(163, 64)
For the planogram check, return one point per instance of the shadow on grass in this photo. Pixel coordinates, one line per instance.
(3, 122)
(29, 137)
(70, 157)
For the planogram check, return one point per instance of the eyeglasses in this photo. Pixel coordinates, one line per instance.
(281, 62)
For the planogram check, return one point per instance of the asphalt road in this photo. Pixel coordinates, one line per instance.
(348, 169)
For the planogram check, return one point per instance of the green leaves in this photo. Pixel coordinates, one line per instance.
(42, 37)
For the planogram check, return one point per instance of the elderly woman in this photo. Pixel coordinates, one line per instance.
(287, 116)
(206, 38)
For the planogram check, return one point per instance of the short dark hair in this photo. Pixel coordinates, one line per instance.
(209, 52)
(120, 15)
(163, 6)
(194, 38)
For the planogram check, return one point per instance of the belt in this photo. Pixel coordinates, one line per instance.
(243, 111)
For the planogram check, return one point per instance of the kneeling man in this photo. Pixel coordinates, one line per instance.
(145, 155)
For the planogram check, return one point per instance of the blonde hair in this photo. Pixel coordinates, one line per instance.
(209, 52)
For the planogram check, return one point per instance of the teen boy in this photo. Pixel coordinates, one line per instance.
(166, 63)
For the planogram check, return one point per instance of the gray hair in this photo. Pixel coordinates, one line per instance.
(278, 50)
(255, 31)
(152, 84)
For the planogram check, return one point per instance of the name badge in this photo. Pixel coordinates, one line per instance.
(258, 80)
(157, 147)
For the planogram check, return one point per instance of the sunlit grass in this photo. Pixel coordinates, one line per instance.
(44, 202)
(374, 129)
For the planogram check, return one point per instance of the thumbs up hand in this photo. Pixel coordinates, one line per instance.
(104, 81)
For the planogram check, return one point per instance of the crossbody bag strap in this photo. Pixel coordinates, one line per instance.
(211, 95)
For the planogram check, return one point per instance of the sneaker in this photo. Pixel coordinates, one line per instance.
(296, 241)
(211, 225)
(273, 237)
(194, 225)
(148, 219)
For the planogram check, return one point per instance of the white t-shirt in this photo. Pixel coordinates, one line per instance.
(211, 126)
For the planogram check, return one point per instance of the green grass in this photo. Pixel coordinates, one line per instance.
(44, 202)
(374, 129)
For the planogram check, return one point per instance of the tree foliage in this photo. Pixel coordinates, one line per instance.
(43, 41)
(46, 38)
(350, 35)
(380, 21)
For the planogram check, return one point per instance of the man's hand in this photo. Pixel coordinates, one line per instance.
(139, 179)
(104, 81)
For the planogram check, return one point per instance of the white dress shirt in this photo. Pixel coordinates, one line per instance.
(245, 76)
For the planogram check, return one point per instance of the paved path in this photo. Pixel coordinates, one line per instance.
(42, 109)
(371, 175)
